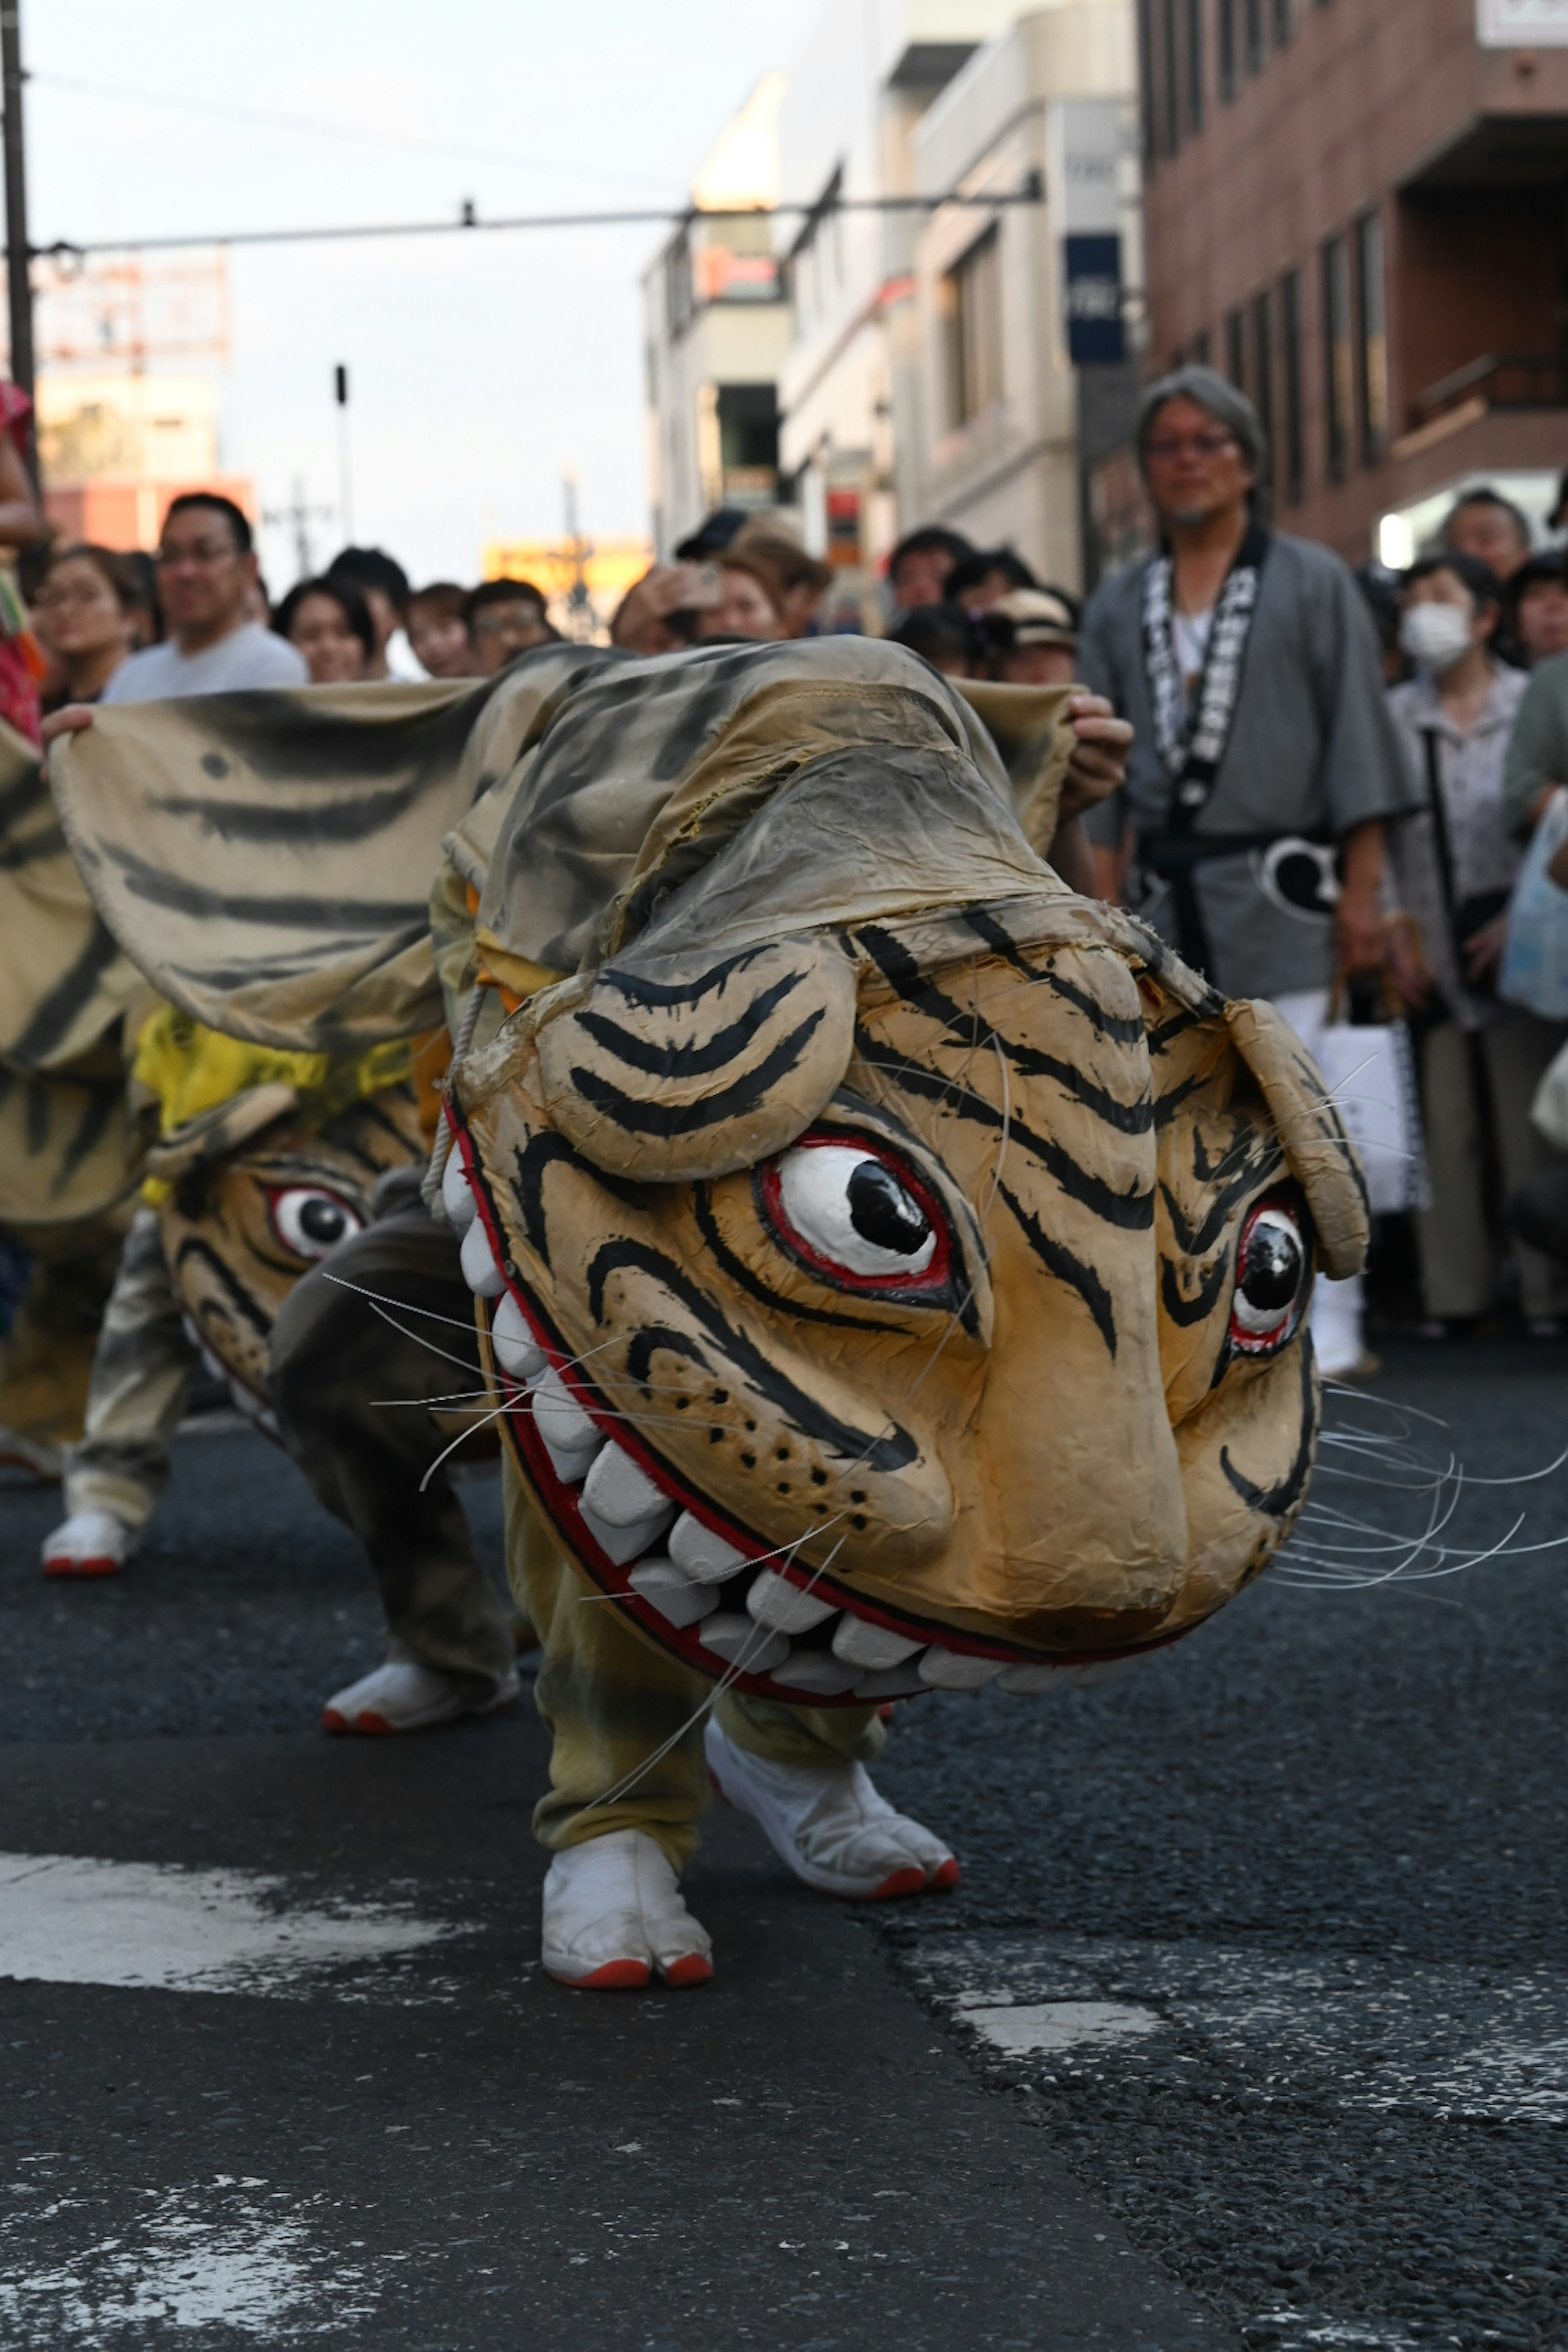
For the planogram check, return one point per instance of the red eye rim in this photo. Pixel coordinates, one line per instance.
(278, 1192)
(1260, 1345)
(931, 1285)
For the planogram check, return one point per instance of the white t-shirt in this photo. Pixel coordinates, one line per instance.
(249, 655)
(1190, 634)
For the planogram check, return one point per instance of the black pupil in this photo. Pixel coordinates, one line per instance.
(882, 1212)
(1273, 1268)
(322, 1221)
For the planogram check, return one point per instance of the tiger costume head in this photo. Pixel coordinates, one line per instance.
(918, 1304)
(253, 1196)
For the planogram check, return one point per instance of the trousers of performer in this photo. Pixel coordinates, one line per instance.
(626, 1719)
(143, 1371)
(364, 1350)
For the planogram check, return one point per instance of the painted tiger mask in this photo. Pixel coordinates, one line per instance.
(257, 1195)
(918, 1306)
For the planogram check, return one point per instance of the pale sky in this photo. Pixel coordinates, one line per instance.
(481, 366)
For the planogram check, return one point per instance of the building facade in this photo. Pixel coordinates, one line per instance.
(866, 74)
(992, 443)
(717, 324)
(1357, 210)
(115, 450)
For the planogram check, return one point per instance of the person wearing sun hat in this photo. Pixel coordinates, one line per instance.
(1035, 634)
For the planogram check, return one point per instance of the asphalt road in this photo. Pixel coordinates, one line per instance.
(1248, 2023)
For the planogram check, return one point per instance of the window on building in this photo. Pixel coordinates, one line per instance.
(749, 442)
(1372, 341)
(1284, 23)
(1236, 348)
(1226, 38)
(1262, 384)
(1171, 79)
(1257, 47)
(1196, 94)
(972, 292)
(1291, 469)
(1339, 369)
(1199, 352)
(1146, 77)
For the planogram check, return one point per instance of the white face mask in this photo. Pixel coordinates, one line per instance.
(1435, 635)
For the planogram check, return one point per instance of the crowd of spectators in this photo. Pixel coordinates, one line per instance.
(1439, 740)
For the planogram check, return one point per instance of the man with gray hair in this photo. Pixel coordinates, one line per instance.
(1250, 830)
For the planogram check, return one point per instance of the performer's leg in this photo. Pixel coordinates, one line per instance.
(1451, 1237)
(48, 1352)
(354, 1392)
(617, 1709)
(142, 1374)
(627, 1783)
(800, 1772)
(1519, 1048)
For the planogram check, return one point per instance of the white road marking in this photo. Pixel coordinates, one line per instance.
(1055, 2026)
(75, 1919)
(222, 2255)
(1363, 2032)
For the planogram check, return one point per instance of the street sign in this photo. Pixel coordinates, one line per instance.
(1092, 265)
(1522, 24)
(1087, 138)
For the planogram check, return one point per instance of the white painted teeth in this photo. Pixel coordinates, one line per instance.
(774, 1601)
(890, 1682)
(706, 1558)
(480, 1271)
(740, 1640)
(623, 1510)
(515, 1349)
(943, 1669)
(458, 1193)
(570, 1437)
(861, 1643)
(1029, 1682)
(665, 1588)
(814, 1672)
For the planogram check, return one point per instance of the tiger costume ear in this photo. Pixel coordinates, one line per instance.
(1321, 1156)
(715, 1065)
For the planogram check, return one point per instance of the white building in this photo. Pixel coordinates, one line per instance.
(992, 443)
(858, 86)
(928, 378)
(718, 328)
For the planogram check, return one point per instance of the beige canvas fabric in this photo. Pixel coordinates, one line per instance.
(267, 860)
(67, 1150)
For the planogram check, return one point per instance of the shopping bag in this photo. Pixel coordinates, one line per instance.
(1535, 960)
(1370, 1070)
(1548, 1111)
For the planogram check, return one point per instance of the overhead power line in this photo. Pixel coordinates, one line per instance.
(1031, 191)
(313, 127)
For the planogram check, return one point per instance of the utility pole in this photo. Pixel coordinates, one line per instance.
(345, 486)
(18, 252)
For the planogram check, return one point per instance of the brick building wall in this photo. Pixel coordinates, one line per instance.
(1347, 203)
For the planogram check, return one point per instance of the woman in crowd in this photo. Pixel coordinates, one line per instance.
(88, 615)
(751, 600)
(22, 661)
(803, 579)
(437, 631)
(1535, 607)
(328, 621)
(1452, 869)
